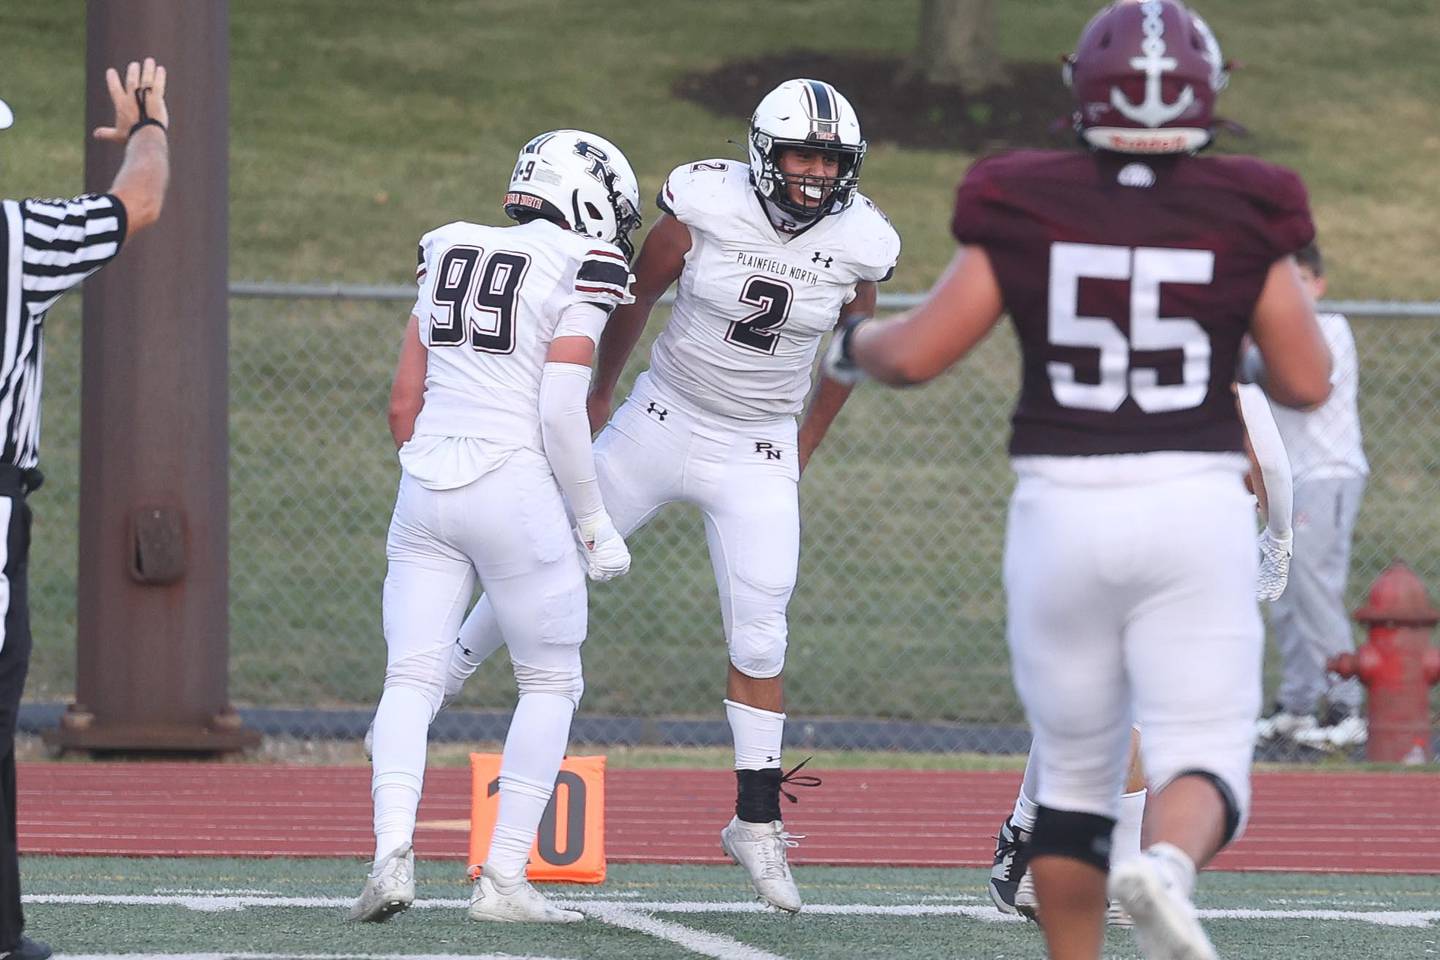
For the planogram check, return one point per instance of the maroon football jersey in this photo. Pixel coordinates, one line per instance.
(1130, 281)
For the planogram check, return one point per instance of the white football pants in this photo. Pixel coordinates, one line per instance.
(743, 476)
(511, 530)
(1134, 600)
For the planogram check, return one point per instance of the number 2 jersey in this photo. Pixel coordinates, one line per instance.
(752, 304)
(491, 300)
(1130, 281)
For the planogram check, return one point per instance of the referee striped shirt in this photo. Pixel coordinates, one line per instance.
(48, 246)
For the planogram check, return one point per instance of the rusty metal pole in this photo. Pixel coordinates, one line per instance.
(153, 590)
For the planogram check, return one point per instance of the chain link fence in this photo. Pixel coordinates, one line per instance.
(897, 632)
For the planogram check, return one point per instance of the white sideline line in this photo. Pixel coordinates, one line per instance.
(703, 942)
(218, 903)
(300, 956)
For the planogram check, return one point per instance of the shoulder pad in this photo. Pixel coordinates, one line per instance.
(1279, 197)
(603, 276)
(873, 242)
(694, 189)
(438, 237)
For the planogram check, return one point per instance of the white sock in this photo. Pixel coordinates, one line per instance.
(1026, 808)
(1175, 866)
(402, 726)
(534, 747)
(758, 735)
(1125, 842)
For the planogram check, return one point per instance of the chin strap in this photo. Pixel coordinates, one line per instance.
(782, 220)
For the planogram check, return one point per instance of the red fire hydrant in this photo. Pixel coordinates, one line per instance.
(1398, 666)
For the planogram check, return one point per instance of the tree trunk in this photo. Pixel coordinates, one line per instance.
(957, 45)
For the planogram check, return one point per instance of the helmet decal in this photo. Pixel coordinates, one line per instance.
(1153, 111)
(578, 180)
(820, 107)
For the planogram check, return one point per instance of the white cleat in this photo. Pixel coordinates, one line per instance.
(1166, 925)
(1025, 903)
(1281, 724)
(760, 849)
(500, 899)
(389, 889)
(1028, 907)
(1350, 731)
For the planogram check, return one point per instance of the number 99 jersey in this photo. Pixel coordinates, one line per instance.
(1130, 282)
(752, 304)
(490, 301)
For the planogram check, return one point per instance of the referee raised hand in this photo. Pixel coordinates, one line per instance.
(48, 247)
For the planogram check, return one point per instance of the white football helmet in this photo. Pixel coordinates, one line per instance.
(581, 181)
(812, 115)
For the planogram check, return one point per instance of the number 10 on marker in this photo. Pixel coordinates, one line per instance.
(570, 844)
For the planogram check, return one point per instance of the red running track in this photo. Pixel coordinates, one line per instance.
(1323, 822)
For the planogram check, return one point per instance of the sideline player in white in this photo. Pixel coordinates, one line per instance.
(1131, 270)
(769, 256)
(488, 410)
(1310, 621)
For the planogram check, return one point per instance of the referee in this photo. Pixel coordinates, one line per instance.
(49, 246)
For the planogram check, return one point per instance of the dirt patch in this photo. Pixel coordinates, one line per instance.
(1029, 110)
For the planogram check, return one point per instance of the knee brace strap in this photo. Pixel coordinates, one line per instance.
(1227, 797)
(1075, 836)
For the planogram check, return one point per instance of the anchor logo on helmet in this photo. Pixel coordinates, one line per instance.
(1153, 111)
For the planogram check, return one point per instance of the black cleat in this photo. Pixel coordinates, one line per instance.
(1012, 854)
(27, 949)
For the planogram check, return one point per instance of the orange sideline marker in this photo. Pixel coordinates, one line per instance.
(570, 844)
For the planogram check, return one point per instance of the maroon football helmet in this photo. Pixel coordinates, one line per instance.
(1145, 75)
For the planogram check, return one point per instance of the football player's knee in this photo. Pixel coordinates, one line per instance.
(424, 672)
(757, 646)
(1073, 835)
(1220, 754)
(563, 679)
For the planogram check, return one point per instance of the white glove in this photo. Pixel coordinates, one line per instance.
(601, 547)
(838, 364)
(1274, 565)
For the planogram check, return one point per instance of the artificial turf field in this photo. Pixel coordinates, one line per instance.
(157, 907)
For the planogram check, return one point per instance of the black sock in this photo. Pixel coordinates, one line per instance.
(757, 795)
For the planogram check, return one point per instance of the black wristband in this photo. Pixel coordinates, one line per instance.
(149, 122)
(848, 326)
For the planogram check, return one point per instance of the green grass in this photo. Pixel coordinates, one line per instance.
(107, 927)
(356, 126)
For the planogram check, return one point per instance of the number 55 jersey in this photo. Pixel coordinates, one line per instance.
(753, 303)
(1131, 281)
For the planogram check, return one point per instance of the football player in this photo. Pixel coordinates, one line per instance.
(488, 412)
(768, 257)
(1131, 271)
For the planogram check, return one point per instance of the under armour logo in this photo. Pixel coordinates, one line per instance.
(656, 409)
(768, 449)
(822, 260)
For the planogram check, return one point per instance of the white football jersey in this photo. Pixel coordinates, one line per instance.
(490, 302)
(1324, 443)
(752, 304)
